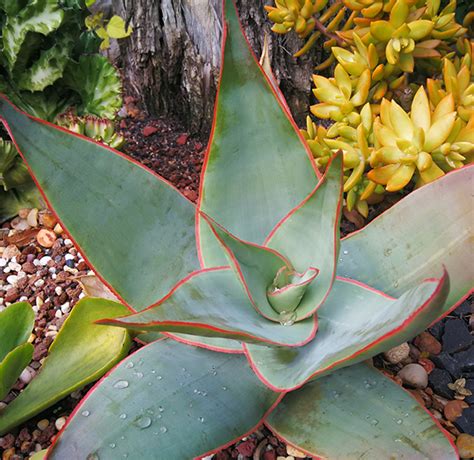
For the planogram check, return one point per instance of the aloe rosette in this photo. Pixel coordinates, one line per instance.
(253, 308)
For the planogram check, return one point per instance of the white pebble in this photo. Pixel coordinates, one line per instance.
(67, 242)
(44, 260)
(16, 267)
(2, 405)
(3, 262)
(23, 298)
(7, 270)
(58, 314)
(66, 308)
(39, 283)
(52, 270)
(12, 279)
(52, 333)
(27, 375)
(59, 423)
(36, 262)
(58, 290)
(69, 257)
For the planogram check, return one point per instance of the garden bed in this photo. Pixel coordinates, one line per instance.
(46, 277)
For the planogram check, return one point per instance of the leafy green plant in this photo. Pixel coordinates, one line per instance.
(81, 353)
(270, 312)
(49, 63)
(16, 324)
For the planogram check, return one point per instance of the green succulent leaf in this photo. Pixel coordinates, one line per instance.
(255, 266)
(357, 412)
(16, 324)
(160, 396)
(47, 68)
(403, 246)
(40, 16)
(97, 82)
(210, 343)
(350, 331)
(81, 353)
(144, 221)
(250, 181)
(12, 366)
(12, 7)
(195, 306)
(299, 236)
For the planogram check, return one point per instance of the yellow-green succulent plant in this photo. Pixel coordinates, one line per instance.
(425, 143)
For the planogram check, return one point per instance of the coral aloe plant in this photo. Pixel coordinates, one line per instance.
(262, 317)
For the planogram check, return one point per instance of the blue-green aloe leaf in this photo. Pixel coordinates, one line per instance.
(257, 167)
(355, 323)
(309, 236)
(212, 303)
(430, 227)
(357, 412)
(167, 400)
(144, 221)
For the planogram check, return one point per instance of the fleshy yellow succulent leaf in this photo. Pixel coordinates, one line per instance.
(362, 89)
(424, 161)
(401, 177)
(382, 174)
(401, 122)
(384, 135)
(350, 61)
(420, 29)
(445, 106)
(324, 110)
(420, 110)
(381, 30)
(432, 173)
(399, 13)
(439, 131)
(343, 81)
(406, 62)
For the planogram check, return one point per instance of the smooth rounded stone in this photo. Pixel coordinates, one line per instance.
(46, 238)
(465, 445)
(414, 376)
(427, 343)
(290, 450)
(43, 424)
(397, 354)
(32, 218)
(59, 423)
(11, 251)
(453, 409)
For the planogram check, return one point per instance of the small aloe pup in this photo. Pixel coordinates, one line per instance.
(263, 318)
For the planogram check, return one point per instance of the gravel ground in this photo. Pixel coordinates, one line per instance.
(40, 265)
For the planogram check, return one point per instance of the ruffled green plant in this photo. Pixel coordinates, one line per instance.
(16, 325)
(274, 313)
(49, 64)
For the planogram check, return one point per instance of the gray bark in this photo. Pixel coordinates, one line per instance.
(171, 61)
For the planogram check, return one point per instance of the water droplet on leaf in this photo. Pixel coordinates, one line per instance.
(120, 384)
(143, 422)
(85, 413)
(287, 318)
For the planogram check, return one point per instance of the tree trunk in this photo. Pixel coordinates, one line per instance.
(171, 61)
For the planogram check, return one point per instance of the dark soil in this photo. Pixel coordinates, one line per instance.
(49, 285)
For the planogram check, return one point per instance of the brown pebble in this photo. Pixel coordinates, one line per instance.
(29, 267)
(46, 238)
(453, 409)
(427, 343)
(465, 445)
(47, 219)
(12, 295)
(8, 454)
